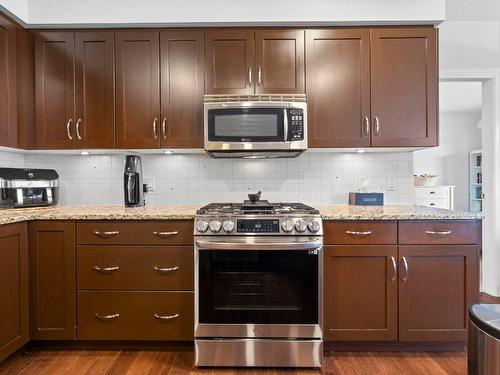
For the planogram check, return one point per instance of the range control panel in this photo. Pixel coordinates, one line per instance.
(257, 226)
(295, 124)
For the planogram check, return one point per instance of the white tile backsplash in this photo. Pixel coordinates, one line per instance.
(313, 178)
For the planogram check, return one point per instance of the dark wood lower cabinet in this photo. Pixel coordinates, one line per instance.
(109, 315)
(436, 285)
(13, 288)
(360, 293)
(52, 280)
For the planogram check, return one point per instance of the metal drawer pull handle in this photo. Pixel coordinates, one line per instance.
(161, 316)
(106, 270)
(404, 277)
(367, 126)
(164, 128)
(68, 131)
(165, 269)
(107, 317)
(364, 233)
(166, 234)
(440, 233)
(106, 234)
(78, 129)
(394, 269)
(377, 125)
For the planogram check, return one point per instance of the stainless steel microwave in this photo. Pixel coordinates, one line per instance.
(255, 126)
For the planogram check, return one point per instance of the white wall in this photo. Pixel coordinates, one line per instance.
(470, 40)
(314, 178)
(459, 134)
(233, 11)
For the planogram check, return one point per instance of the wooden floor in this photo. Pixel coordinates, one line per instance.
(75, 362)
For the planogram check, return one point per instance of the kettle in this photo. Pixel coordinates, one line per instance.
(132, 180)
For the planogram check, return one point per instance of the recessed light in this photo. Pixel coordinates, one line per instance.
(360, 151)
(168, 152)
(84, 153)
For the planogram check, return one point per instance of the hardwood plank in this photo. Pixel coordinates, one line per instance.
(158, 362)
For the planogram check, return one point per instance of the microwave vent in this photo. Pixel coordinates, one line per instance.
(276, 98)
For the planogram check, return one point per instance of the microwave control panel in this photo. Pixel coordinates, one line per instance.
(295, 124)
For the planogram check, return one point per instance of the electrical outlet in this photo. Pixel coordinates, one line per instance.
(150, 182)
(390, 184)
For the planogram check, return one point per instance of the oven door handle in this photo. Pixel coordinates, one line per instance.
(257, 245)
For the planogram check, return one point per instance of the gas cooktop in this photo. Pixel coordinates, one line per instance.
(262, 207)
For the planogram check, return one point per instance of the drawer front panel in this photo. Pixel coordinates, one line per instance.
(168, 232)
(135, 268)
(135, 315)
(432, 193)
(360, 232)
(438, 232)
(434, 203)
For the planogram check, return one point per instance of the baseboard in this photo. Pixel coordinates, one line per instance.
(393, 346)
(488, 298)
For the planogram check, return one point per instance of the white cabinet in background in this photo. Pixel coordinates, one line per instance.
(435, 196)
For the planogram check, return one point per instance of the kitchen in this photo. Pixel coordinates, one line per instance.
(207, 108)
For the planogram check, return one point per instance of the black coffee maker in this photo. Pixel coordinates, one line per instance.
(132, 179)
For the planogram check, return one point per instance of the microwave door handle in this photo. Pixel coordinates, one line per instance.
(285, 124)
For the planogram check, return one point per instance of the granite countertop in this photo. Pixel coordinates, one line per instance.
(187, 212)
(396, 212)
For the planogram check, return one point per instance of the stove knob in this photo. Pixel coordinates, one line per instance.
(215, 226)
(313, 226)
(287, 225)
(228, 226)
(201, 226)
(300, 226)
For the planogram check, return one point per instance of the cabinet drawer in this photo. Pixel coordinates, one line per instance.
(431, 232)
(360, 232)
(135, 315)
(431, 193)
(434, 203)
(174, 232)
(135, 268)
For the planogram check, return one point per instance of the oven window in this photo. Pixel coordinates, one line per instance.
(259, 287)
(245, 125)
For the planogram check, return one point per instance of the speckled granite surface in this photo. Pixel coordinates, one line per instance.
(397, 212)
(160, 212)
(187, 212)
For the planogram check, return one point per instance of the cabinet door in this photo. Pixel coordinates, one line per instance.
(404, 87)
(338, 87)
(279, 59)
(94, 89)
(8, 94)
(360, 293)
(13, 288)
(52, 275)
(436, 285)
(229, 67)
(54, 90)
(182, 85)
(137, 89)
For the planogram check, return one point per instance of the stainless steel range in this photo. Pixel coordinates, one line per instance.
(258, 285)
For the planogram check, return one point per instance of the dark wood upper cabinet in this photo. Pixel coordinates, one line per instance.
(54, 90)
(279, 61)
(13, 288)
(436, 285)
(137, 89)
(404, 86)
(94, 89)
(338, 87)
(52, 280)
(8, 84)
(361, 293)
(182, 88)
(230, 59)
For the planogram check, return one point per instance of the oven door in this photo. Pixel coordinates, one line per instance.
(258, 287)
